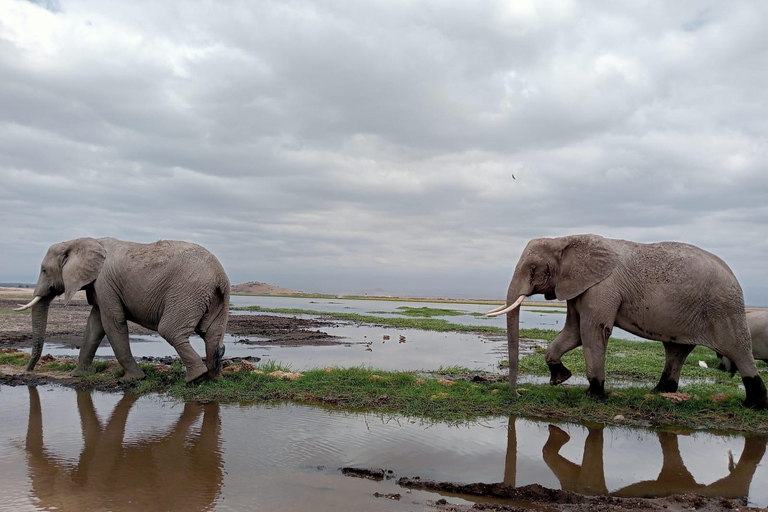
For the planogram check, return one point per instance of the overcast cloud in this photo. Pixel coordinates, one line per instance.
(345, 146)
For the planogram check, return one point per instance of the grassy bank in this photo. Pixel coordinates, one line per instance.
(627, 359)
(712, 405)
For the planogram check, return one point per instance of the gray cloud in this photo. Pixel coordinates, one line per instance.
(341, 146)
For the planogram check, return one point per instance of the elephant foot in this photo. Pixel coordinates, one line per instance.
(214, 375)
(596, 389)
(81, 372)
(756, 393)
(194, 374)
(132, 375)
(666, 384)
(558, 374)
(557, 437)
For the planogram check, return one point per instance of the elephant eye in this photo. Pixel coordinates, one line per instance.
(549, 272)
(533, 271)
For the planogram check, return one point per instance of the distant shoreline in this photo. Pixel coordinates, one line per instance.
(489, 302)
(27, 292)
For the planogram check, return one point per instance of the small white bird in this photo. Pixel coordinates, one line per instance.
(703, 364)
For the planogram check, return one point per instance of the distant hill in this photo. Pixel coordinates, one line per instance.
(257, 288)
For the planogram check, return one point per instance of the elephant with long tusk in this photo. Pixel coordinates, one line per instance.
(670, 292)
(175, 288)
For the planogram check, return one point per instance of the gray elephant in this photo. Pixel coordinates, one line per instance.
(670, 292)
(174, 288)
(757, 322)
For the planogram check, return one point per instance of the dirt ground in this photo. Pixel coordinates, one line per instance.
(67, 324)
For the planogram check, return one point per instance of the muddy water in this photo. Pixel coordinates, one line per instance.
(68, 450)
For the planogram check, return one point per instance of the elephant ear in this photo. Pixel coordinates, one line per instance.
(586, 260)
(81, 264)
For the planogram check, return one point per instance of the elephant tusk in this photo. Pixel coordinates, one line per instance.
(31, 303)
(507, 309)
(494, 310)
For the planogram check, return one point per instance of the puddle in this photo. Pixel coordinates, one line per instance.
(66, 450)
(364, 346)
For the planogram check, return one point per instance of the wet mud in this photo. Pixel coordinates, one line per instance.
(503, 497)
(376, 474)
(66, 325)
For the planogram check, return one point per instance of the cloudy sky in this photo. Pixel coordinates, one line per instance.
(411, 147)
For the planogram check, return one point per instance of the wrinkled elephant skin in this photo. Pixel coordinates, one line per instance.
(175, 288)
(670, 292)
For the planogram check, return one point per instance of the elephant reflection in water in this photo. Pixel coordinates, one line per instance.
(589, 477)
(177, 470)
(674, 477)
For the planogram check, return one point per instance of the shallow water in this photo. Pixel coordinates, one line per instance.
(530, 316)
(421, 350)
(69, 450)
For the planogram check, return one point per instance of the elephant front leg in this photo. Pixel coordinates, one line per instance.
(117, 334)
(595, 339)
(675, 358)
(568, 339)
(94, 333)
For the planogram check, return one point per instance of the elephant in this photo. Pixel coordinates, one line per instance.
(671, 292)
(674, 477)
(180, 468)
(757, 322)
(175, 288)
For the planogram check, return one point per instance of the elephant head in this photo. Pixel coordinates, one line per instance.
(66, 268)
(561, 268)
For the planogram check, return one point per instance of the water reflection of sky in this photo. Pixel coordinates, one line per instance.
(287, 457)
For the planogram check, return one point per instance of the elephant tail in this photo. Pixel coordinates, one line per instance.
(214, 323)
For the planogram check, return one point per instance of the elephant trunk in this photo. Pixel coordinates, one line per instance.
(513, 346)
(518, 290)
(39, 323)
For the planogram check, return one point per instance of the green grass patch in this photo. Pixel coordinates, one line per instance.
(546, 311)
(632, 360)
(426, 312)
(12, 312)
(14, 358)
(58, 366)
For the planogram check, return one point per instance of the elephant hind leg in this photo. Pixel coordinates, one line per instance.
(214, 350)
(739, 351)
(676, 353)
(179, 340)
